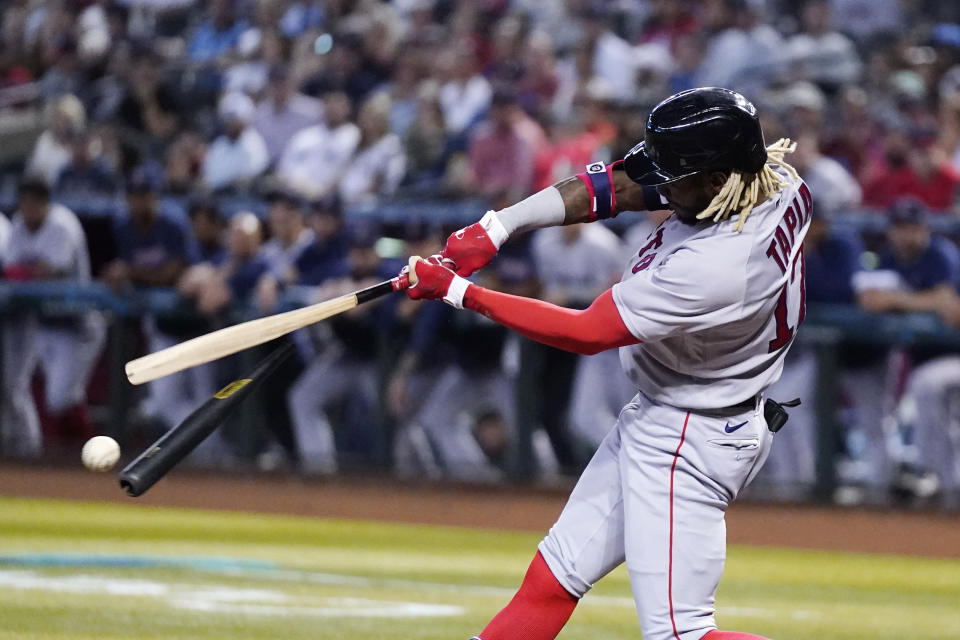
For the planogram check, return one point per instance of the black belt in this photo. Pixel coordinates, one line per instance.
(773, 412)
(727, 412)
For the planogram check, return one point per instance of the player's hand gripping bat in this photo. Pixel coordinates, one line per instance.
(229, 340)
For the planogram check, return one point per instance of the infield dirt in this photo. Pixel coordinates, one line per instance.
(510, 508)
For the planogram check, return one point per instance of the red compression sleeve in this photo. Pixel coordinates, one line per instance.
(592, 330)
(537, 612)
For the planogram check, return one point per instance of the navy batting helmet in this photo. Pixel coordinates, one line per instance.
(697, 130)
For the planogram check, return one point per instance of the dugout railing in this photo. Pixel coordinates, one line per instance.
(826, 329)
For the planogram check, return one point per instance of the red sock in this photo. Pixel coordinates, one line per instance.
(730, 635)
(537, 612)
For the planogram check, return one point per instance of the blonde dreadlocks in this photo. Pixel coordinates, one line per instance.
(742, 192)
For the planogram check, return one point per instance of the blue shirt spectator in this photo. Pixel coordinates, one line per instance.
(831, 263)
(216, 35)
(154, 245)
(935, 265)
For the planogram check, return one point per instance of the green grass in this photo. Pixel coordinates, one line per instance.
(307, 578)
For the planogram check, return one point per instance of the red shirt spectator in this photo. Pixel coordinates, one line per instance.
(907, 170)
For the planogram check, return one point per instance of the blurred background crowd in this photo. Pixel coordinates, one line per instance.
(168, 167)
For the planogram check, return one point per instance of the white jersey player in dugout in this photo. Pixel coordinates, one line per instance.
(703, 316)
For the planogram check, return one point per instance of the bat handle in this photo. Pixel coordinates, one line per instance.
(401, 282)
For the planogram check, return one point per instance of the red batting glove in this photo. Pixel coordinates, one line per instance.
(434, 281)
(469, 249)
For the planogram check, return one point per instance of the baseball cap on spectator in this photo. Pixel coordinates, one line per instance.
(330, 205)
(144, 180)
(907, 211)
(33, 184)
(236, 106)
(280, 193)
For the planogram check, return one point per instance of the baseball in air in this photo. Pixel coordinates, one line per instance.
(100, 453)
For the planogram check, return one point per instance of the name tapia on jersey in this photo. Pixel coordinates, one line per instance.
(786, 250)
(716, 307)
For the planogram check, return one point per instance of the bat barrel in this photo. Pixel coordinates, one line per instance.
(151, 465)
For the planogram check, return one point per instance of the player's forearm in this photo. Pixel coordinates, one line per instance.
(587, 331)
(569, 201)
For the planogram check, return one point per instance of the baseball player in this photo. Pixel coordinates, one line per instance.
(46, 243)
(704, 315)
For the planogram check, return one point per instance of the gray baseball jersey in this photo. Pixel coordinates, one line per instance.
(59, 242)
(716, 309)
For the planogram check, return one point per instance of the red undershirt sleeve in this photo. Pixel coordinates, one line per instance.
(588, 331)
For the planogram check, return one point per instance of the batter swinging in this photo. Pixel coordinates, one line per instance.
(703, 316)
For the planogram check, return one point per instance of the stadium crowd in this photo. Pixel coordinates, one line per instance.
(244, 152)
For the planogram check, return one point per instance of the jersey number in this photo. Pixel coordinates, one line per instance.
(784, 330)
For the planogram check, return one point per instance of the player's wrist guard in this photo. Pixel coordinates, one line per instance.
(492, 224)
(456, 291)
(598, 178)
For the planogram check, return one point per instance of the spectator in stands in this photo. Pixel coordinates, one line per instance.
(572, 147)
(912, 165)
(240, 153)
(54, 148)
(63, 77)
(249, 72)
(283, 112)
(148, 113)
(852, 136)
(154, 251)
(47, 244)
(379, 163)
(232, 279)
(217, 35)
(425, 140)
(324, 258)
(865, 18)
(538, 85)
(403, 89)
(314, 160)
(819, 53)
(611, 57)
(500, 158)
(504, 65)
(742, 53)
(839, 191)
(688, 52)
(206, 225)
(289, 238)
(341, 69)
(87, 174)
(184, 164)
(917, 273)
(345, 369)
(465, 94)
